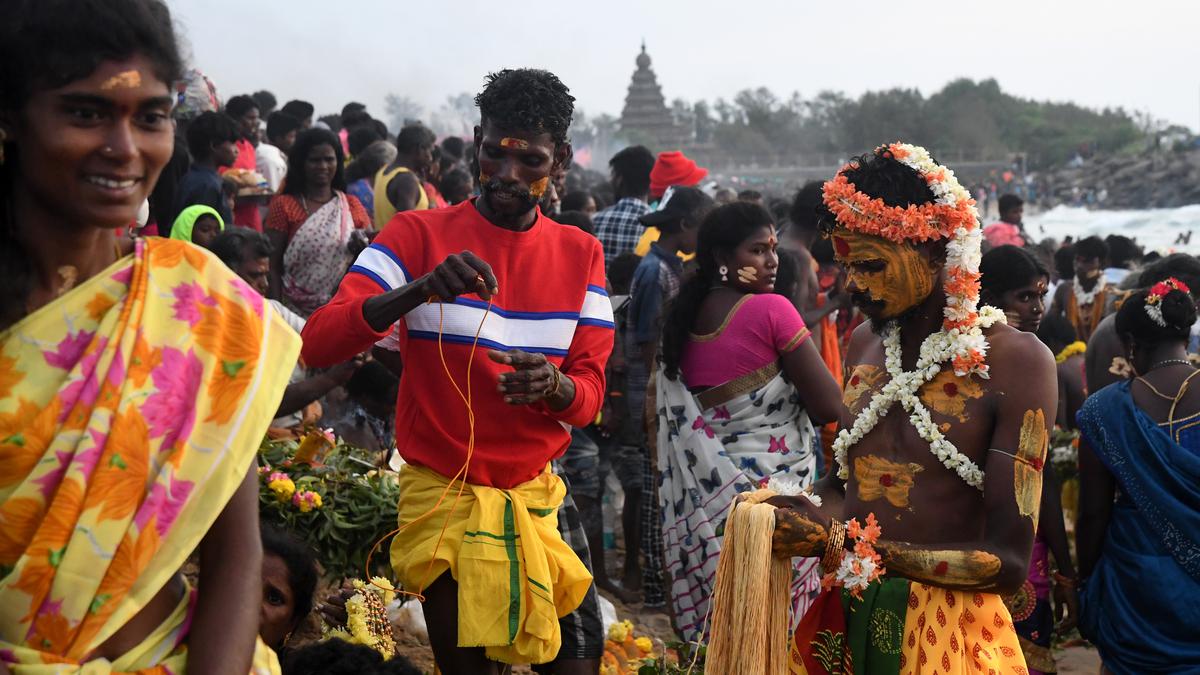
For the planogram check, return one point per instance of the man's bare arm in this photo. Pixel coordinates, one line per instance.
(1024, 375)
(1023, 370)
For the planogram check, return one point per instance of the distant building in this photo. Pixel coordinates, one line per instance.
(646, 118)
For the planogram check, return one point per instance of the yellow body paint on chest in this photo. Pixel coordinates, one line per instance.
(129, 79)
(1031, 458)
(861, 382)
(948, 394)
(878, 477)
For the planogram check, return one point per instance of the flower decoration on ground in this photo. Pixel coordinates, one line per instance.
(861, 565)
(366, 617)
(281, 484)
(306, 500)
(1155, 297)
(625, 654)
(951, 216)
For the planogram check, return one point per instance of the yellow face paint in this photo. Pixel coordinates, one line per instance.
(1027, 470)
(747, 274)
(130, 79)
(948, 394)
(539, 187)
(955, 568)
(878, 477)
(904, 278)
(514, 143)
(484, 178)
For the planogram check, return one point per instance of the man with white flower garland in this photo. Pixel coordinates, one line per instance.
(944, 440)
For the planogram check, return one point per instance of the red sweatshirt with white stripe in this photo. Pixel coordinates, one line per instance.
(551, 301)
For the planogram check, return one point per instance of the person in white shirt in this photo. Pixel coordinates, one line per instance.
(271, 157)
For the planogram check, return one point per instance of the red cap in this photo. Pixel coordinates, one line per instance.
(673, 168)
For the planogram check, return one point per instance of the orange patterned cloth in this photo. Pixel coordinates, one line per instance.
(130, 410)
(951, 632)
(900, 627)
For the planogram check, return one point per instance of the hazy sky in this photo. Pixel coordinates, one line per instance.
(1140, 55)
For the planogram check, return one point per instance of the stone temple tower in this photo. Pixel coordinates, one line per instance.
(645, 118)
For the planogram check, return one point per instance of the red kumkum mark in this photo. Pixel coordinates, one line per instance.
(950, 389)
(886, 480)
(941, 568)
(842, 248)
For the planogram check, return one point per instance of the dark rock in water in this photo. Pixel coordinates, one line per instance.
(1157, 179)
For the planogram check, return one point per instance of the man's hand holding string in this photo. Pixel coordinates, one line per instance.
(459, 274)
(534, 379)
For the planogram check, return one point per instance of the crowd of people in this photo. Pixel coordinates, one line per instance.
(187, 276)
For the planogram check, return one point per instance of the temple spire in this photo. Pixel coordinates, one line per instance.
(645, 116)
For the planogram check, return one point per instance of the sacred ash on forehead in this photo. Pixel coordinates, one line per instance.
(952, 217)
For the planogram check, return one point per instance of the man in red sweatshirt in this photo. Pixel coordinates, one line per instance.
(496, 581)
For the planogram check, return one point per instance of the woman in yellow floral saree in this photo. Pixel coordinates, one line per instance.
(136, 378)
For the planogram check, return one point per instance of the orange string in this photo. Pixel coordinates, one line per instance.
(462, 472)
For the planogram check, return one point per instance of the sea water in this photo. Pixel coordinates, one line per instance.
(1154, 229)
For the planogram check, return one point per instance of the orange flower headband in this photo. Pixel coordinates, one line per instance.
(952, 209)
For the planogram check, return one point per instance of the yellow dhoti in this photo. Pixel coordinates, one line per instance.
(516, 576)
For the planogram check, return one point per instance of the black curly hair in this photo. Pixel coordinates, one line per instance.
(45, 44)
(527, 99)
(882, 176)
(804, 211)
(1178, 312)
(1092, 248)
(1182, 266)
(332, 657)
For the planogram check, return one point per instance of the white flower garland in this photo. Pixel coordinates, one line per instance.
(1084, 298)
(902, 388)
(960, 342)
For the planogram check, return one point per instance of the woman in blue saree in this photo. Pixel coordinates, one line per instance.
(1139, 528)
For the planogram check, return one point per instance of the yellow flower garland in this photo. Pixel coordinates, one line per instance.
(367, 621)
(1072, 349)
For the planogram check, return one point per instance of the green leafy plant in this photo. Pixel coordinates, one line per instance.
(358, 506)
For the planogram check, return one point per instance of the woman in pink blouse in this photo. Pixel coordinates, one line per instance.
(740, 387)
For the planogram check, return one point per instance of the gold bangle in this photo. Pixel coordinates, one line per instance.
(833, 546)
